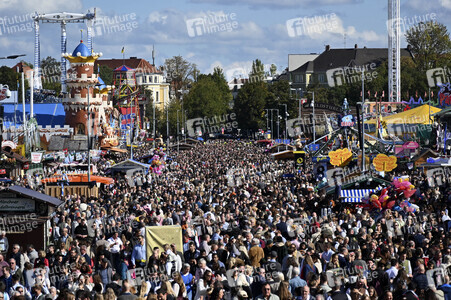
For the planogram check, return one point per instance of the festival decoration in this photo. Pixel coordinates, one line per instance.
(384, 163)
(340, 157)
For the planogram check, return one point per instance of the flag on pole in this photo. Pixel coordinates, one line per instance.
(122, 51)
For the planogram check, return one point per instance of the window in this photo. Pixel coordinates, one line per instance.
(321, 78)
(297, 78)
(156, 79)
(144, 78)
(157, 99)
(80, 128)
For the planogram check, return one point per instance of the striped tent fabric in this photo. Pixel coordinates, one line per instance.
(355, 195)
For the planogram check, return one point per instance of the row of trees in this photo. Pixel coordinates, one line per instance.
(207, 95)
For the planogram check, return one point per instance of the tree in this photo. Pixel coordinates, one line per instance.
(273, 70)
(51, 74)
(208, 97)
(180, 73)
(430, 44)
(258, 71)
(249, 105)
(106, 73)
(8, 77)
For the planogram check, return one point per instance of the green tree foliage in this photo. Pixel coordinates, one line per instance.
(250, 104)
(209, 96)
(273, 69)
(8, 77)
(258, 71)
(430, 44)
(51, 74)
(106, 73)
(180, 73)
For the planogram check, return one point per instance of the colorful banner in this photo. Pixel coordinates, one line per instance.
(340, 157)
(384, 163)
(128, 117)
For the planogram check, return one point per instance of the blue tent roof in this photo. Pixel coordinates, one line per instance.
(83, 49)
(45, 113)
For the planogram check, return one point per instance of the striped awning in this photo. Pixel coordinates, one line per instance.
(355, 196)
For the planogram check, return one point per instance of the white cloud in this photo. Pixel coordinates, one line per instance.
(281, 4)
(446, 3)
(47, 6)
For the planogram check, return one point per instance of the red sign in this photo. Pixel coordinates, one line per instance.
(26, 166)
(2, 171)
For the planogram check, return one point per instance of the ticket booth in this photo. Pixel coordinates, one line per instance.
(25, 214)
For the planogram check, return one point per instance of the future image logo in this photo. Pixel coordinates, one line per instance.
(211, 125)
(211, 23)
(350, 75)
(116, 24)
(312, 25)
(399, 26)
(438, 76)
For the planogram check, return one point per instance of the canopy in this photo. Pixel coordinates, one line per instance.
(417, 115)
(354, 195)
(80, 178)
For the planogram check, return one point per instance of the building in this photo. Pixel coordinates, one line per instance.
(83, 83)
(316, 70)
(147, 75)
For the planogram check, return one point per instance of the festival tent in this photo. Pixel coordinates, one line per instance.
(413, 120)
(418, 115)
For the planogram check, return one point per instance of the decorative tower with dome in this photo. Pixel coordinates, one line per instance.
(81, 82)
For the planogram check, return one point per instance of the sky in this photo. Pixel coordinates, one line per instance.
(225, 33)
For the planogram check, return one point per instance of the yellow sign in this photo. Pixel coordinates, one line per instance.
(300, 160)
(384, 163)
(340, 157)
(158, 236)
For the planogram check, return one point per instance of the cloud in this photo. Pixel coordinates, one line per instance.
(281, 4)
(47, 6)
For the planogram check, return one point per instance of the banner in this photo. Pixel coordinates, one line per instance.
(36, 157)
(384, 163)
(299, 158)
(128, 117)
(158, 236)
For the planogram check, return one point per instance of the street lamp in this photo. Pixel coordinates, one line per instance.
(154, 104)
(313, 121)
(178, 129)
(286, 115)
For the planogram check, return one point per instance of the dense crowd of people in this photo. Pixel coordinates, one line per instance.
(253, 228)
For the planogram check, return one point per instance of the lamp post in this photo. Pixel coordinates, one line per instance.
(363, 121)
(313, 119)
(286, 115)
(89, 138)
(178, 130)
(154, 123)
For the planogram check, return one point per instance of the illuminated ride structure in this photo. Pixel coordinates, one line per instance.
(126, 97)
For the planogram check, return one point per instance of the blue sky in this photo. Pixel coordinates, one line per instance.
(257, 28)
